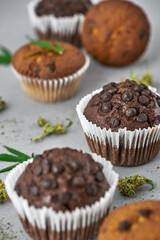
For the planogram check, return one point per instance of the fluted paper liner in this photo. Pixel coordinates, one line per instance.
(77, 220)
(51, 90)
(123, 147)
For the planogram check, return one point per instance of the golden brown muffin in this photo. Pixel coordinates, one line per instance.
(115, 32)
(47, 64)
(47, 76)
(136, 221)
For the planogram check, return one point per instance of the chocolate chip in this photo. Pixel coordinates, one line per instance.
(146, 92)
(51, 67)
(36, 68)
(142, 117)
(78, 181)
(156, 122)
(142, 34)
(18, 189)
(65, 198)
(151, 104)
(145, 213)
(57, 169)
(114, 122)
(127, 96)
(158, 101)
(125, 225)
(131, 112)
(100, 166)
(74, 164)
(112, 90)
(91, 190)
(99, 176)
(55, 198)
(109, 85)
(46, 164)
(144, 100)
(106, 96)
(128, 81)
(97, 101)
(136, 88)
(87, 155)
(142, 86)
(46, 183)
(38, 170)
(34, 190)
(106, 107)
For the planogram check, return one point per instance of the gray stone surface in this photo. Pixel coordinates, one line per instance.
(18, 122)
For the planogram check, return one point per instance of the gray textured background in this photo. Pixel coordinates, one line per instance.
(18, 122)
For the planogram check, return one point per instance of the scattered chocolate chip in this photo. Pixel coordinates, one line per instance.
(97, 101)
(112, 90)
(128, 81)
(142, 34)
(114, 122)
(131, 112)
(142, 117)
(127, 96)
(125, 225)
(156, 122)
(38, 170)
(51, 67)
(100, 165)
(36, 68)
(136, 88)
(99, 176)
(65, 198)
(144, 100)
(145, 213)
(78, 181)
(106, 96)
(46, 183)
(57, 169)
(142, 86)
(151, 104)
(91, 190)
(46, 164)
(34, 190)
(87, 155)
(74, 164)
(18, 189)
(106, 107)
(109, 85)
(146, 92)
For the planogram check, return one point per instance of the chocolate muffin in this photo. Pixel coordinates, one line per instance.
(139, 220)
(122, 122)
(62, 194)
(115, 32)
(47, 76)
(58, 19)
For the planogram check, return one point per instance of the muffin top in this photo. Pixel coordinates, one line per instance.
(124, 105)
(63, 179)
(62, 8)
(34, 61)
(115, 32)
(139, 220)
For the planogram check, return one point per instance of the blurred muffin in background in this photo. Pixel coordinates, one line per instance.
(115, 32)
(58, 19)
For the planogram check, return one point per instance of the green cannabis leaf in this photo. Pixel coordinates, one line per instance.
(48, 128)
(127, 185)
(16, 156)
(55, 48)
(146, 78)
(3, 193)
(5, 56)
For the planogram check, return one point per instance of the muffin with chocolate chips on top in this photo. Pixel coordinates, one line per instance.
(139, 220)
(66, 194)
(122, 122)
(47, 75)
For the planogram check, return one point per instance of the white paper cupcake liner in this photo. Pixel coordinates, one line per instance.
(121, 140)
(79, 219)
(65, 26)
(51, 90)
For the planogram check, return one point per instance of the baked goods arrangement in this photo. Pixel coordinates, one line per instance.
(63, 193)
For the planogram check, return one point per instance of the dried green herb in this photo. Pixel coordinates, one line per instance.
(146, 79)
(5, 56)
(46, 45)
(48, 128)
(3, 193)
(17, 156)
(128, 185)
(2, 104)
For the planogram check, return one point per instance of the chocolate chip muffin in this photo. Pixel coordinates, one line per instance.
(58, 19)
(47, 76)
(115, 32)
(62, 179)
(122, 122)
(139, 220)
(63, 193)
